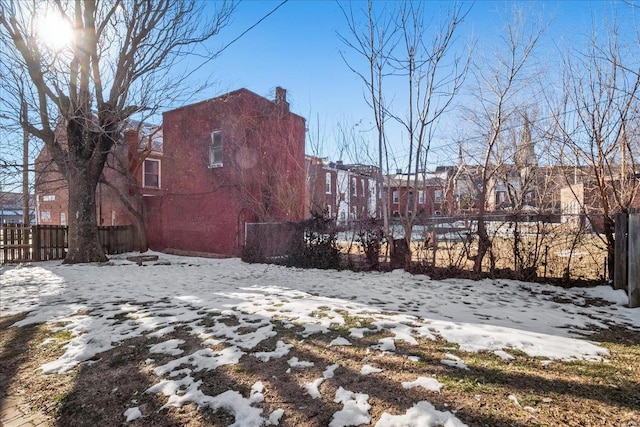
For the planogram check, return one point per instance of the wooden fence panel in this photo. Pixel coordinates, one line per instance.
(52, 242)
(15, 243)
(20, 243)
(634, 260)
(621, 254)
(116, 239)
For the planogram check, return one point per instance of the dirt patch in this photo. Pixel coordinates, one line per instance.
(525, 391)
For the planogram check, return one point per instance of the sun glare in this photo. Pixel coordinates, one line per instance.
(54, 32)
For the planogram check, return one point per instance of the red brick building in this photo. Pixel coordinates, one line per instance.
(127, 177)
(434, 194)
(342, 192)
(227, 161)
(192, 184)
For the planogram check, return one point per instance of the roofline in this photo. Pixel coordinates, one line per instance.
(234, 92)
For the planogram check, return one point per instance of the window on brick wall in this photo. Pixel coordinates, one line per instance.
(396, 197)
(151, 173)
(215, 150)
(327, 178)
(421, 197)
(354, 186)
(437, 195)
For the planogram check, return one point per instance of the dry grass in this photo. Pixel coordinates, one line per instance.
(554, 253)
(558, 394)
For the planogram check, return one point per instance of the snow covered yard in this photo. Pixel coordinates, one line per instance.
(191, 341)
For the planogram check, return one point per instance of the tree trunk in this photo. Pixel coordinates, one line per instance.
(141, 233)
(484, 244)
(84, 245)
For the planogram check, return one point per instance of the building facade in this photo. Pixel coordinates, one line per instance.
(119, 194)
(342, 192)
(227, 161)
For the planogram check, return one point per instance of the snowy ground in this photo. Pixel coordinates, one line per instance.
(500, 315)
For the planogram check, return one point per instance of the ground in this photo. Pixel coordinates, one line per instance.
(197, 342)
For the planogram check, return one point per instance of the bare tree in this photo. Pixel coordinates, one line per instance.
(397, 42)
(120, 62)
(374, 41)
(597, 133)
(499, 82)
(434, 76)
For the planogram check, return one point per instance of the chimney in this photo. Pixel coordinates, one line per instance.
(281, 97)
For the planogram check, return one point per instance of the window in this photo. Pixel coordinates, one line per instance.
(151, 174)
(396, 197)
(113, 217)
(327, 183)
(437, 195)
(215, 150)
(354, 186)
(63, 218)
(421, 197)
(45, 216)
(328, 209)
(48, 198)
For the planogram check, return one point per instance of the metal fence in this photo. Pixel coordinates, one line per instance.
(527, 246)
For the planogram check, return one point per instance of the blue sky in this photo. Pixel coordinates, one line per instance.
(297, 48)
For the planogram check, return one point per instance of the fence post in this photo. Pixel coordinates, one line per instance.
(5, 243)
(621, 254)
(35, 242)
(634, 260)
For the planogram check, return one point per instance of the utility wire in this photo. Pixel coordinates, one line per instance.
(251, 27)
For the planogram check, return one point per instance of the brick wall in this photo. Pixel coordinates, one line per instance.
(261, 178)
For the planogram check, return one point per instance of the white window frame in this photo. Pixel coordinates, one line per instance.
(45, 216)
(216, 150)
(421, 197)
(354, 186)
(396, 197)
(438, 195)
(327, 184)
(144, 173)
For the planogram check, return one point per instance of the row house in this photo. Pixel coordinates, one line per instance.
(231, 160)
(423, 194)
(343, 192)
(582, 197)
(11, 208)
(193, 183)
(131, 172)
(511, 188)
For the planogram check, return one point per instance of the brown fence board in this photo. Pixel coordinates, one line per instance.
(20, 243)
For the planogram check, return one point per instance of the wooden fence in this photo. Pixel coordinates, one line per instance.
(19, 243)
(627, 273)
